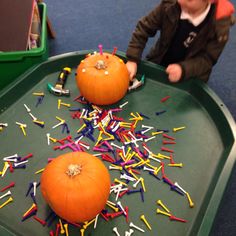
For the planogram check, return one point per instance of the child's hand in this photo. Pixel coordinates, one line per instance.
(132, 69)
(174, 72)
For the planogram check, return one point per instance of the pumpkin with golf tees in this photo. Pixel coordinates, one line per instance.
(76, 186)
(102, 79)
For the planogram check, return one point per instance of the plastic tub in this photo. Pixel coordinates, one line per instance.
(13, 64)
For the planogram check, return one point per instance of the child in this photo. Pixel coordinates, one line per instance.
(193, 34)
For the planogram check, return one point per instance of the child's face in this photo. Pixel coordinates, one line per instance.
(192, 6)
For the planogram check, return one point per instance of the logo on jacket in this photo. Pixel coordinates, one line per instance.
(190, 38)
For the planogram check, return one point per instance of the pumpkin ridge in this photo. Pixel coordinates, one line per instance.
(101, 193)
(57, 179)
(91, 173)
(65, 183)
(70, 188)
(90, 176)
(66, 197)
(76, 185)
(97, 183)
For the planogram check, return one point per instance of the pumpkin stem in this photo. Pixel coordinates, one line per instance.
(73, 170)
(101, 65)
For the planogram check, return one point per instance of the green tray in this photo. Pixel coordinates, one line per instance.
(13, 64)
(206, 147)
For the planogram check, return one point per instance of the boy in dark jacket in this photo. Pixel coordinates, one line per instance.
(193, 34)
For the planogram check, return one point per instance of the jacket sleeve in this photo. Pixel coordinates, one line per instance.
(145, 28)
(200, 65)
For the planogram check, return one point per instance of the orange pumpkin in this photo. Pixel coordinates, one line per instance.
(102, 79)
(76, 186)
